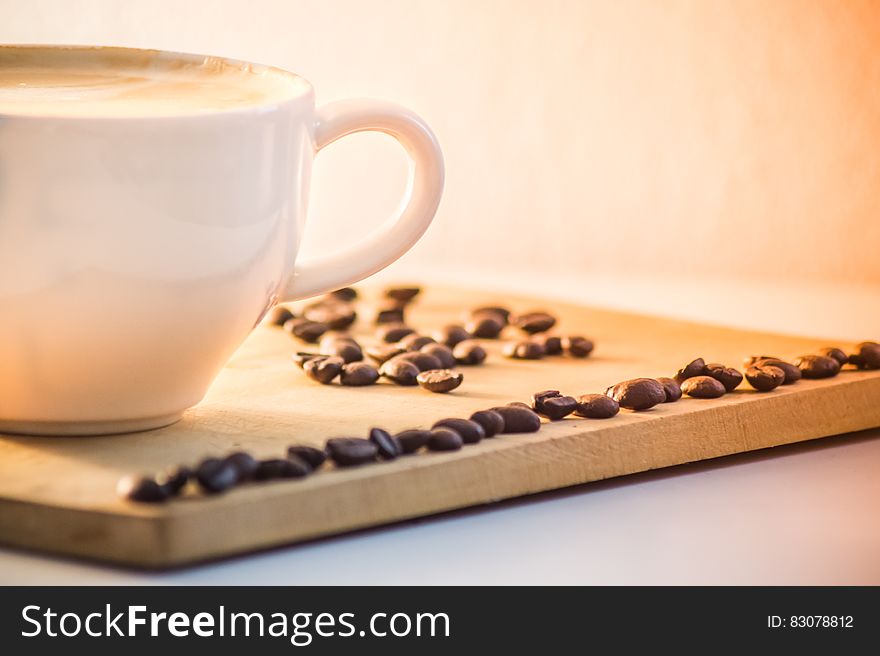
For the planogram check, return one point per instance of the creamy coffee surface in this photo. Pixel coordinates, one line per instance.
(106, 82)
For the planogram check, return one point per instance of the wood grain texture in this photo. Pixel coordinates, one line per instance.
(58, 494)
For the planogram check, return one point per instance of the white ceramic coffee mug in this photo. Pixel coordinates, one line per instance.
(138, 251)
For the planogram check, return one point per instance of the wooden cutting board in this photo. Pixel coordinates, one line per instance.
(58, 494)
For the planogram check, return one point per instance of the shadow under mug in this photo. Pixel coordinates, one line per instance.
(138, 251)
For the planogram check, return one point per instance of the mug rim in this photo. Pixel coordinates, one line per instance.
(299, 88)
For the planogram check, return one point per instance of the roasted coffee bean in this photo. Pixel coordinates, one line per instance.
(451, 335)
(280, 315)
(412, 440)
(753, 359)
(390, 313)
(324, 369)
(313, 456)
(439, 381)
(577, 347)
(703, 387)
(301, 357)
(553, 405)
(358, 374)
(393, 332)
(444, 439)
(693, 368)
(305, 330)
(141, 488)
(765, 377)
(866, 356)
(384, 352)
(402, 294)
(215, 475)
(834, 352)
(792, 373)
(672, 389)
(424, 361)
(491, 421)
(387, 446)
(551, 343)
(519, 418)
(245, 464)
(414, 341)
(348, 451)
(469, 352)
(502, 313)
(471, 432)
(345, 294)
(525, 350)
(334, 314)
(174, 480)
(401, 372)
(535, 322)
(727, 376)
(486, 325)
(275, 468)
(441, 352)
(638, 393)
(817, 366)
(348, 350)
(596, 406)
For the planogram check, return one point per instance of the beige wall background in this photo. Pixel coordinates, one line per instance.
(708, 159)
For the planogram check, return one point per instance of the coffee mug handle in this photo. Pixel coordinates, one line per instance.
(396, 235)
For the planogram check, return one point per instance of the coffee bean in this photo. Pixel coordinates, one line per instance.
(301, 357)
(471, 432)
(703, 387)
(765, 377)
(441, 352)
(502, 313)
(414, 341)
(469, 352)
(215, 475)
(439, 381)
(551, 343)
(519, 404)
(638, 393)
(866, 356)
(324, 369)
(305, 330)
(280, 315)
(444, 439)
(834, 352)
(393, 332)
(727, 376)
(387, 446)
(596, 406)
(347, 349)
(349, 451)
(672, 389)
(313, 456)
(358, 374)
(412, 440)
(345, 294)
(451, 335)
(384, 352)
(390, 313)
(524, 350)
(535, 322)
(333, 337)
(401, 372)
(519, 418)
(553, 405)
(693, 368)
(402, 294)
(491, 421)
(577, 347)
(424, 361)
(792, 373)
(174, 480)
(753, 359)
(245, 464)
(141, 488)
(334, 314)
(817, 366)
(275, 468)
(486, 325)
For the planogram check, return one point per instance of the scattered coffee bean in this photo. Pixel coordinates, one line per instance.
(393, 332)
(401, 372)
(703, 387)
(834, 352)
(245, 464)
(535, 322)
(441, 352)
(471, 432)
(519, 418)
(387, 446)
(349, 451)
(174, 480)
(358, 374)
(765, 377)
(502, 313)
(553, 405)
(596, 406)
(469, 352)
(491, 421)
(391, 313)
(424, 361)
(792, 373)
(439, 381)
(280, 315)
(275, 468)
(485, 325)
(817, 366)
(693, 368)
(141, 488)
(345, 348)
(672, 389)
(301, 357)
(346, 294)
(524, 350)
(866, 356)
(384, 352)
(638, 393)
(451, 335)
(402, 294)
(577, 347)
(334, 314)
(727, 376)
(412, 440)
(551, 343)
(215, 475)
(324, 369)
(414, 341)
(305, 330)
(313, 456)
(444, 439)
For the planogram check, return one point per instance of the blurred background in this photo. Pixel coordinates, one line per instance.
(702, 159)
